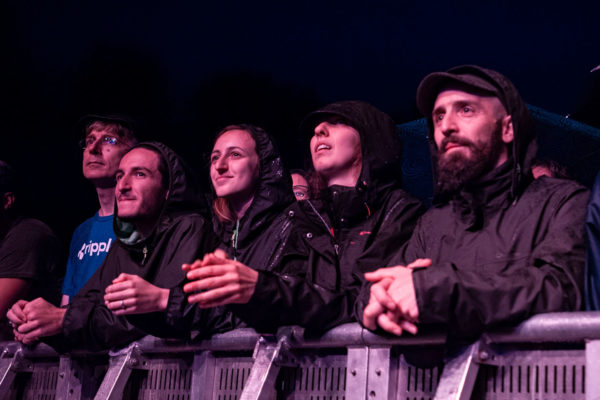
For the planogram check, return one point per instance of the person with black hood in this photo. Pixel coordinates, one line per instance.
(252, 192)
(497, 246)
(159, 226)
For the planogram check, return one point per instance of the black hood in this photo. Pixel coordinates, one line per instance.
(185, 195)
(379, 139)
(487, 82)
(273, 194)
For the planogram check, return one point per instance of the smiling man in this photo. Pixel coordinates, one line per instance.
(158, 227)
(497, 246)
(107, 138)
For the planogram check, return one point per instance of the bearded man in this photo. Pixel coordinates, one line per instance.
(497, 246)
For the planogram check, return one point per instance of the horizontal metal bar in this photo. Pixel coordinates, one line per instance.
(355, 335)
(567, 327)
(236, 340)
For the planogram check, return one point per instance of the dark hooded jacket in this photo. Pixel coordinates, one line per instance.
(181, 234)
(255, 240)
(503, 247)
(347, 231)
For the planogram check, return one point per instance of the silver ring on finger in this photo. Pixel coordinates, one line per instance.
(123, 306)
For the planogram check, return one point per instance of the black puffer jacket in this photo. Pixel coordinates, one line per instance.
(181, 234)
(346, 231)
(504, 247)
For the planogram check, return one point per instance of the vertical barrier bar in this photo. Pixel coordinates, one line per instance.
(381, 382)
(592, 370)
(9, 364)
(116, 377)
(68, 386)
(357, 373)
(460, 373)
(261, 381)
(203, 375)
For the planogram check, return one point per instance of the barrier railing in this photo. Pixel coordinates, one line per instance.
(550, 356)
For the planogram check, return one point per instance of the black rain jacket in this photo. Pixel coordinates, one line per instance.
(504, 247)
(351, 230)
(181, 235)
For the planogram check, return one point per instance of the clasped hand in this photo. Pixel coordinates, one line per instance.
(34, 319)
(217, 280)
(392, 301)
(131, 294)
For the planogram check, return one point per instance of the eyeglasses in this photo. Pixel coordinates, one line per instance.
(104, 141)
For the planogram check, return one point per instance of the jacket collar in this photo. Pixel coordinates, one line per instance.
(478, 199)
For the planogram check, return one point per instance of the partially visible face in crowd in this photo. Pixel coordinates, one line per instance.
(300, 187)
(471, 133)
(139, 192)
(540, 170)
(101, 156)
(336, 152)
(234, 165)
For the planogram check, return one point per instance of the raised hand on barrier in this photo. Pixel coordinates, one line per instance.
(377, 313)
(15, 314)
(219, 280)
(131, 294)
(42, 319)
(392, 303)
(16, 317)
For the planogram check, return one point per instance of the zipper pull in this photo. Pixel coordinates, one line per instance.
(145, 251)
(337, 249)
(234, 239)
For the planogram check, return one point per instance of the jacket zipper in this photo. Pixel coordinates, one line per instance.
(336, 247)
(234, 239)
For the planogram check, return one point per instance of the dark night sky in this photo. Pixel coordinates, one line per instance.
(188, 69)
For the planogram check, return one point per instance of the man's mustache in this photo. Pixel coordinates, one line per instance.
(454, 140)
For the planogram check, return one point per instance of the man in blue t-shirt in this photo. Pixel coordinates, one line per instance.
(107, 139)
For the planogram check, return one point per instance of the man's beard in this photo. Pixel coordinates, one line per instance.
(456, 170)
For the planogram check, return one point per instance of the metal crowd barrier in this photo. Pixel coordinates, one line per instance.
(550, 356)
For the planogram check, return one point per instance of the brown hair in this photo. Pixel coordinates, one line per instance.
(220, 204)
(113, 128)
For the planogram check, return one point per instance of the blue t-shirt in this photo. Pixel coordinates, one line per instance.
(89, 246)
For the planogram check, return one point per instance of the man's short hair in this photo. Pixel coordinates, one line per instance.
(121, 126)
(162, 164)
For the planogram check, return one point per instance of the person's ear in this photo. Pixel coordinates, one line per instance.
(508, 134)
(8, 200)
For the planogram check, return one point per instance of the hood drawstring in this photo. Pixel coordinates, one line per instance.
(234, 239)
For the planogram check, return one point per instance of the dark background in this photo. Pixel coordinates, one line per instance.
(186, 70)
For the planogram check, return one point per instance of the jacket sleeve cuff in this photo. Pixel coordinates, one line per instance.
(176, 303)
(433, 290)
